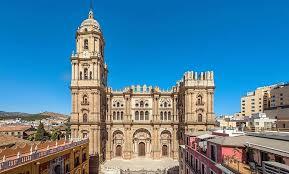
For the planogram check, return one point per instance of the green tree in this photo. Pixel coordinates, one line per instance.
(40, 133)
(67, 129)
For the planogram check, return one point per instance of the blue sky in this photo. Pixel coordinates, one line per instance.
(147, 42)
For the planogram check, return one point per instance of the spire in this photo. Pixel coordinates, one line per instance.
(90, 14)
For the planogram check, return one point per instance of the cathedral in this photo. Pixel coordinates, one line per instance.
(139, 121)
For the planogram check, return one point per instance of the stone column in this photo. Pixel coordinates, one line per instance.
(96, 139)
(98, 72)
(72, 71)
(186, 106)
(97, 106)
(77, 106)
(77, 71)
(93, 69)
(91, 140)
(175, 143)
(109, 143)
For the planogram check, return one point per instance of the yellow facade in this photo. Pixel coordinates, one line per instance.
(69, 157)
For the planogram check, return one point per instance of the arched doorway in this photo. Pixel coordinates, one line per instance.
(141, 149)
(118, 151)
(166, 140)
(165, 150)
(142, 143)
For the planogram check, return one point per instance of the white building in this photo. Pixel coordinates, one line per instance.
(260, 122)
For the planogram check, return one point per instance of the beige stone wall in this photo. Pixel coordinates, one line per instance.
(138, 120)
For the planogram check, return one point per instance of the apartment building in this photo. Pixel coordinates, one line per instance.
(256, 101)
(279, 105)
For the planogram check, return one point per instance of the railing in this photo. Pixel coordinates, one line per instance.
(36, 155)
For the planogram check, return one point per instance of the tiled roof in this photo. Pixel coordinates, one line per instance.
(13, 128)
(6, 140)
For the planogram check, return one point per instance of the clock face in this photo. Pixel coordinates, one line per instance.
(85, 54)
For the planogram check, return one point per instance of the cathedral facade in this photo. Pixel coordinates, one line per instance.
(138, 121)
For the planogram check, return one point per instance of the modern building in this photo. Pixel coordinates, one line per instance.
(256, 101)
(229, 153)
(260, 122)
(137, 121)
(48, 157)
(279, 105)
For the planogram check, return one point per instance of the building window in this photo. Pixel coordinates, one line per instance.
(121, 115)
(136, 105)
(136, 115)
(162, 117)
(80, 75)
(114, 115)
(279, 159)
(264, 156)
(85, 73)
(199, 100)
(141, 103)
(147, 115)
(85, 118)
(85, 99)
(165, 115)
(169, 115)
(165, 104)
(213, 153)
(90, 75)
(85, 44)
(200, 118)
(141, 115)
(118, 116)
(117, 104)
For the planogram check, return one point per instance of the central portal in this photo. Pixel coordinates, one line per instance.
(141, 149)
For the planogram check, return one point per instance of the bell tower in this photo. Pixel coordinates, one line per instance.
(88, 86)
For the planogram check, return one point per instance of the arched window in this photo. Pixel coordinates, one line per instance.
(90, 75)
(141, 115)
(136, 115)
(165, 115)
(200, 118)
(117, 104)
(169, 115)
(84, 99)
(121, 115)
(136, 105)
(84, 118)
(85, 73)
(118, 116)
(114, 116)
(165, 104)
(146, 105)
(200, 100)
(147, 115)
(141, 103)
(162, 117)
(85, 46)
(80, 75)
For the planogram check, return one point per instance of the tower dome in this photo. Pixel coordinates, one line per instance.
(90, 23)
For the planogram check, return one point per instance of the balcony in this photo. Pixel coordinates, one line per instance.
(14, 162)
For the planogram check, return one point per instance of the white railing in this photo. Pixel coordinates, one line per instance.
(36, 155)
